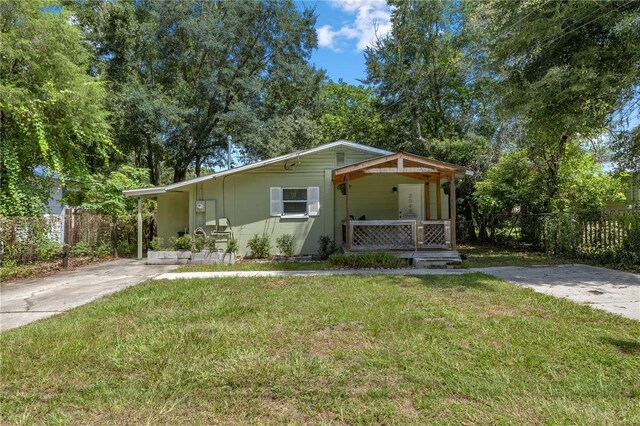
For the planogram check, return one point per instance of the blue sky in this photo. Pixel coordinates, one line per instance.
(345, 28)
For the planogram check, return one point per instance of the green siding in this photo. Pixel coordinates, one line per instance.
(244, 199)
(173, 214)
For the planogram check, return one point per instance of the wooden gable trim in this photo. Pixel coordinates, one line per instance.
(405, 164)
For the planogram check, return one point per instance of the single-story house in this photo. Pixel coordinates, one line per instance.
(365, 198)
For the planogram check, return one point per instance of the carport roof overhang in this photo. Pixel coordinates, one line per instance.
(401, 163)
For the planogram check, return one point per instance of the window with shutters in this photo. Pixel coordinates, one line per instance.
(294, 201)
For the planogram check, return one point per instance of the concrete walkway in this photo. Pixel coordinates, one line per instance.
(312, 273)
(25, 301)
(613, 291)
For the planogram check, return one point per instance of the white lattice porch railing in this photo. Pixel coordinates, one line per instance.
(371, 235)
(434, 234)
(378, 235)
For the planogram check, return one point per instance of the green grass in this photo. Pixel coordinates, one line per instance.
(465, 349)
(482, 257)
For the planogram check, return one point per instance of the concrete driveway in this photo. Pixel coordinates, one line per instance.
(25, 301)
(614, 291)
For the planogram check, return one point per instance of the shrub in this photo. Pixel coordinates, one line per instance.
(327, 246)
(629, 254)
(197, 243)
(48, 250)
(285, 244)
(260, 246)
(367, 260)
(181, 243)
(9, 269)
(104, 250)
(80, 249)
(157, 244)
(232, 246)
(127, 247)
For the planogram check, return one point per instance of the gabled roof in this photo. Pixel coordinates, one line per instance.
(401, 163)
(141, 192)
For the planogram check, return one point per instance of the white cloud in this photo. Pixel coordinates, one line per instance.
(371, 19)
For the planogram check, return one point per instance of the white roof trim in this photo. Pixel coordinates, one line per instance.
(141, 192)
(162, 189)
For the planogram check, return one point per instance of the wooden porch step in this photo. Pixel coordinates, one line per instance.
(437, 259)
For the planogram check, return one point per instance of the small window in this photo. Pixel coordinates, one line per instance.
(341, 159)
(294, 201)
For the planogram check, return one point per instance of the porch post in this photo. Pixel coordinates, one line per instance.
(452, 209)
(139, 227)
(348, 223)
(438, 198)
(427, 200)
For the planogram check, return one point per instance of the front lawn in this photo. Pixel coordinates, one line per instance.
(373, 349)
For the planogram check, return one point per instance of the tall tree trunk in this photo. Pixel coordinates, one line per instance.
(418, 129)
(153, 163)
(179, 173)
(198, 165)
(553, 168)
(137, 160)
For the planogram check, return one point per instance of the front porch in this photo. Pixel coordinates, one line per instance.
(425, 243)
(417, 222)
(398, 235)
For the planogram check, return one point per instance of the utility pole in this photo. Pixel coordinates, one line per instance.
(229, 149)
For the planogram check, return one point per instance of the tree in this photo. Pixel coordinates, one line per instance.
(514, 183)
(103, 193)
(53, 119)
(563, 69)
(189, 74)
(422, 75)
(351, 113)
(434, 98)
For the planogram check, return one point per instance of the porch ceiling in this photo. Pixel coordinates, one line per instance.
(401, 163)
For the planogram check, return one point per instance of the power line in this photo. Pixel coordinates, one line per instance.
(502, 33)
(545, 43)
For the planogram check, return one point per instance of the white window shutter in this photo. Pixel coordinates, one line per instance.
(276, 201)
(313, 201)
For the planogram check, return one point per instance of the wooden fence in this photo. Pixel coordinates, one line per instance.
(584, 234)
(30, 239)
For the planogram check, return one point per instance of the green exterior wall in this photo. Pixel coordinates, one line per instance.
(243, 198)
(173, 214)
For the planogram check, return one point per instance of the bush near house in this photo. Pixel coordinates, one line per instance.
(259, 246)
(366, 260)
(327, 246)
(285, 244)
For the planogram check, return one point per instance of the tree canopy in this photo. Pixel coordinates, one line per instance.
(186, 75)
(53, 120)
(534, 95)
